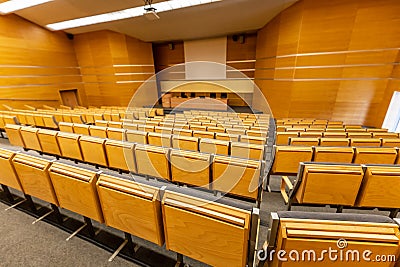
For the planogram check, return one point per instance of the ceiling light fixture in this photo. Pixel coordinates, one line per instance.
(14, 5)
(126, 13)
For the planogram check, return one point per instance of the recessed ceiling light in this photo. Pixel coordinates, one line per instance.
(14, 5)
(126, 13)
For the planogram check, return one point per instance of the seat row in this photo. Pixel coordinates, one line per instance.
(287, 158)
(234, 175)
(354, 141)
(4, 120)
(318, 128)
(311, 235)
(185, 220)
(203, 141)
(345, 185)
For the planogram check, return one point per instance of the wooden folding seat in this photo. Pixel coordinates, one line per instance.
(101, 123)
(30, 138)
(334, 141)
(321, 122)
(14, 135)
(334, 154)
(48, 142)
(182, 132)
(185, 142)
(253, 139)
(139, 137)
(75, 188)
(314, 232)
(335, 130)
(93, 150)
(209, 124)
(115, 117)
(66, 127)
(8, 175)
(247, 151)
(98, 131)
(152, 161)
(335, 123)
(388, 142)
(302, 141)
(34, 177)
(384, 135)
(324, 184)
(190, 167)
(38, 118)
(213, 146)
(115, 124)
(130, 126)
(256, 133)
(50, 122)
(30, 120)
(377, 130)
(375, 155)
(282, 138)
(69, 145)
(381, 187)
(197, 127)
(120, 155)
(335, 135)
(227, 137)
(107, 116)
(353, 126)
(311, 134)
(209, 221)
(116, 133)
(359, 135)
(133, 207)
(315, 130)
(372, 142)
(152, 123)
(159, 139)
(236, 131)
(75, 118)
(216, 129)
(21, 117)
(236, 176)
(203, 134)
(287, 158)
(66, 117)
(81, 129)
(146, 128)
(295, 129)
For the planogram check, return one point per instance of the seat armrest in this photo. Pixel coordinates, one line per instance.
(285, 182)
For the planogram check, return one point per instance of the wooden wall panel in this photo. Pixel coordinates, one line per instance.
(113, 66)
(165, 57)
(35, 64)
(241, 56)
(335, 59)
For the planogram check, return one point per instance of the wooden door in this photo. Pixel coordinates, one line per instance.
(70, 98)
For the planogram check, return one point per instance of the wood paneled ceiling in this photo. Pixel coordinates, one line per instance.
(209, 20)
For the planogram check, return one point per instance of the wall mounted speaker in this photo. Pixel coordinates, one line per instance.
(70, 36)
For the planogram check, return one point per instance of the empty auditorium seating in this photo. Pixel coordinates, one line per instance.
(334, 142)
(190, 168)
(213, 146)
(303, 141)
(318, 231)
(282, 138)
(131, 206)
(185, 142)
(159, 139)
(248, 151)
(116, 133)
(81, 129)
(75, 188)
(209, 221)
(252, 139)
(287, 158)
(66, 127)
(8, 175)
(30, 138)
(120, 155)
(152, 161)
(391, 142)
(136, 136)
(203, 134)
(33, 174)
(365, 142)
(375, 155)
(69, 145)
(48, 142)
(324, 184)
(14, 135)
(237, 176)
(98, 131)
(333, 154)
(93, 150)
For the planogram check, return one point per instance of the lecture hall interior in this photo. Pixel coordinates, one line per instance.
(177, 133)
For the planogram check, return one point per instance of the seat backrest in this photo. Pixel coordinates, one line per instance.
(335, 135)
(282, 138)
(359, 135)
(146, 128)
(334, 154)
(14, 135)
(247, 151)
(152, 161)
(98, 131)
(81, 129)
(227, 137)
(190, 167)
(8, 175)
(375, 155)
(137, 203)
(115, 124)
(214, 146)
(391, 142)
(334, 141)
(69, 145)
(101, 123)
(185, 142)
(318, 232)
(372, 142)
(209, 221)
(253, 139)
(120, 155)
(203, 134)
(33, 175)
(48, 142)
(139, 137)
(236, 176)
(381, 187)
(75, 188)
(50, 122)
(159, 139)
(90, 144)
(30, 138)
(66, 127)
(303, 141)
(328, 184)
(287, 158)
(116, 133)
